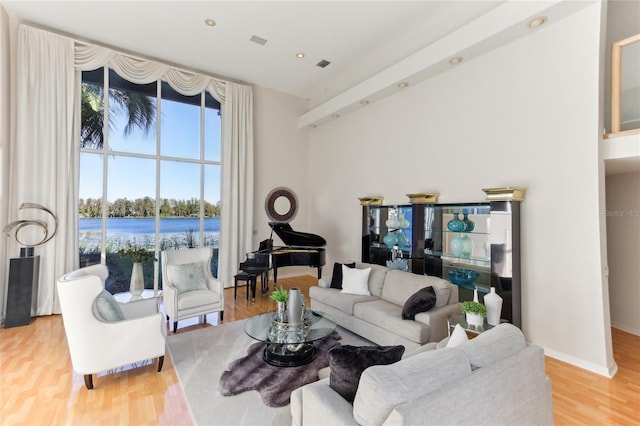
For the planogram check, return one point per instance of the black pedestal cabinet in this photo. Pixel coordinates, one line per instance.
(22, 295)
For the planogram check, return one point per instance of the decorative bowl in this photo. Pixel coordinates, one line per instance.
(463, 276)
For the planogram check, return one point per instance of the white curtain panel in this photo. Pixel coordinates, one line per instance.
(45, 155)
(237, 180)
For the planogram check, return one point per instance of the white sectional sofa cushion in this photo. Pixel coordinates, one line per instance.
(381, 389)
(400, 286)
(379, 317)
(494, 379)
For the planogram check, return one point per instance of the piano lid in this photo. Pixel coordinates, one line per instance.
(295, 238)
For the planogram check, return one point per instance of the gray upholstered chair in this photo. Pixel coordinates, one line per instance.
(103, 334)
(188, 288)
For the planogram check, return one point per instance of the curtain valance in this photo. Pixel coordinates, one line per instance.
(142, 71)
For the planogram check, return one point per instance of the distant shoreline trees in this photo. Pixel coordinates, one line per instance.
(145, 207)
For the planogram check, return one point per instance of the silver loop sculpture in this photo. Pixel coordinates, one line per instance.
(19, 224)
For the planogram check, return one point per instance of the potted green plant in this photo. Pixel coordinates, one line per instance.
(138, 255)
(280, 296)
(475, 313)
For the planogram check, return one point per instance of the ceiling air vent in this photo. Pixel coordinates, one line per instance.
(323, 63)
(258, 40)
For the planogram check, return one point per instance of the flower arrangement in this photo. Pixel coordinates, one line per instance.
(138, 254)
(474, 308)
(280, 295)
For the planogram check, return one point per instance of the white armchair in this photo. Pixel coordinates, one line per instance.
(101, 333)
(188, 288)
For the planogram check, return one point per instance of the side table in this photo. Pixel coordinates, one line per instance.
(135, 306)
(455, 319)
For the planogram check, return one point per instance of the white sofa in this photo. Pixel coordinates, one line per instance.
(378, 317)
(493, 379)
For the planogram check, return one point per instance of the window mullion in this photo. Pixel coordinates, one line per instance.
(105, 165)
(158, 162)
(202, 139)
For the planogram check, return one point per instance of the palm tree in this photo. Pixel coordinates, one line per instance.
(140, 110)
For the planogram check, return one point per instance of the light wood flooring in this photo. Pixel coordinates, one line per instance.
(38, 386)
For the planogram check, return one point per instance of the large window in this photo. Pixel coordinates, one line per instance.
(149, 173)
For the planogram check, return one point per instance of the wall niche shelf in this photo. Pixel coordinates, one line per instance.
(482, 254)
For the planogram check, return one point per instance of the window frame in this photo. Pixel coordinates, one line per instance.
(158, 157)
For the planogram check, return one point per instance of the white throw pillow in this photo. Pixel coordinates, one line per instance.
(187, 277)
(355, 281)
(458, 336)
(106, 308)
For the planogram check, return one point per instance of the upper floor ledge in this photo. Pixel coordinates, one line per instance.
(622, 152)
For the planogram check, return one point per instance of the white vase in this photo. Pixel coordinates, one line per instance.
(136, 286)
(493, 302)
(475, 319)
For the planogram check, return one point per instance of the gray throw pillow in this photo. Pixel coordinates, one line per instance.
(421, 301)
(348, 362)
(106, 308)
(187, 277)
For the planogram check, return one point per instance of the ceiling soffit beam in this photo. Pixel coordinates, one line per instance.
(495, 28)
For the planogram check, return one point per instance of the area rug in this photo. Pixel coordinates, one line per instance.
(274, 384)
(201, 356)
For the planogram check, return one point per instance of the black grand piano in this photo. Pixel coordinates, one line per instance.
(300, 249)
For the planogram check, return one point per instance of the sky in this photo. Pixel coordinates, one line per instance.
(134, 178)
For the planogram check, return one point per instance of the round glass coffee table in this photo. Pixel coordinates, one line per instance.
(286, 345)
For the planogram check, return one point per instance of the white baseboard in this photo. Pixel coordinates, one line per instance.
(627, 329)
(608, 371)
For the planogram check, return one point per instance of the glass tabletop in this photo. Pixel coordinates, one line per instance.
(262, 327)
(455, 319)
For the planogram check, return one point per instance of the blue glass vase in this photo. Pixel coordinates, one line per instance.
(402, 239)
(456, 246)
(455, 224)
(469, 225)
(390, 240)
(467, 246)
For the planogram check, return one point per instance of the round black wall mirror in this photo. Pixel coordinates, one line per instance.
(281, 205)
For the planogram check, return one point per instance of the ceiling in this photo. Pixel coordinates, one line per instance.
(359, 38)
(372, 46)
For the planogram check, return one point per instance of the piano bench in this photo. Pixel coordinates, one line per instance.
(242, 276)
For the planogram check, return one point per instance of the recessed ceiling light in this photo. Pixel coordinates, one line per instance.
(300, 55)
(364, 102)
(536, 22)
(456, 60)
(403, 84)
(210, 22)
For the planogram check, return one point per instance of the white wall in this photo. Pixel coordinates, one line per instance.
(623, 244)
(4, 151)
(526, 115)
(280, 160)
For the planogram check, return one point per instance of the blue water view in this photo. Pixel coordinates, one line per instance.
(173, 231)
